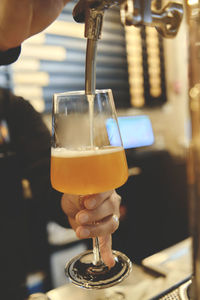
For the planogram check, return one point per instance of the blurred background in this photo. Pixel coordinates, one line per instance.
(148, 77)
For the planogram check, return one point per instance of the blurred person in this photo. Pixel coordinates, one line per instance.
(25, 154)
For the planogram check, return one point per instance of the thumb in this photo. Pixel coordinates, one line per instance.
(105, 244)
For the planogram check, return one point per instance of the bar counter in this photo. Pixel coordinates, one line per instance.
(157, 274)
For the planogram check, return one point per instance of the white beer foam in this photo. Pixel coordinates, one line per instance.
(63, 152)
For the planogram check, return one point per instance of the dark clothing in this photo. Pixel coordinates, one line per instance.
(9, 56)
(24, 154)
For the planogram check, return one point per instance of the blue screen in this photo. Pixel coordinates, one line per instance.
(136, 131)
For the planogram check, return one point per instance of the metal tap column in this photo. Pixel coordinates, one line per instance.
(193, 21)
(93, 27)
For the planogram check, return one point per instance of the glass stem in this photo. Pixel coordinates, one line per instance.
(96, 252)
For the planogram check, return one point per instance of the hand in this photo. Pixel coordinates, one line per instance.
(96, 215)
(20, 19)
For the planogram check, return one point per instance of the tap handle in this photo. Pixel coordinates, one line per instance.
(93, 24)
(91, 13)
(82, 6)
(168, 20)
(133, 12)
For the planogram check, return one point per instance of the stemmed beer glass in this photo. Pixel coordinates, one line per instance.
(86, 160)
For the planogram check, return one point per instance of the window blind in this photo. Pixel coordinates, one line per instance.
(54, 61)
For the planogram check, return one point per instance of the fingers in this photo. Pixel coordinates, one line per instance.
(71, 204)
(92, 216)
(105, 244)
(107, 208)
(105, 227)
(68, 204)
(100, 221)
(93, 201)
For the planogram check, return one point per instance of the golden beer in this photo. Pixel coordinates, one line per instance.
(88, 171)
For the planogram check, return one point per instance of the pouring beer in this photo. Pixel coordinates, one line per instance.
(89, 171)
(86, 162)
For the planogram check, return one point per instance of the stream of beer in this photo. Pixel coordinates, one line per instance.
(90, 86)
(90, 82)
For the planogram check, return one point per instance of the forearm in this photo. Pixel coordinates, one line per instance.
(15, 22)
(20, 19)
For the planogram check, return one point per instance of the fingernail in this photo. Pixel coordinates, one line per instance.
(91, 204)
(84, 233)
(83, 218)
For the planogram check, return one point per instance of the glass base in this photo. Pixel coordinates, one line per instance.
(83, 273)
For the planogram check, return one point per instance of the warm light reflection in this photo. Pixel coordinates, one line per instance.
(33, 95)
(133, 31)
(45, 52)
(192, 2)
(134, 60)
(134, 48)
(138, 101)
(153, 59)
(153, 50)
(66, 29)
(137, 81)
(155, 91)
(135, 65)
(28, 91)
(155, 81)
(136, 70)
(26, 65)
(195, 91)
(38, 104)
(36, 39)
(33, 78)
(154, 70)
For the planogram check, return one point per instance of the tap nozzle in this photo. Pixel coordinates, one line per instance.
(91, 12)
(93, 24)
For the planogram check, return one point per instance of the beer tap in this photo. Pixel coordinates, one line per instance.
(166, 20)
(133, 12)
